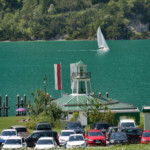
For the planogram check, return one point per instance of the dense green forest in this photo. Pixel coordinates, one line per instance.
(74, 19)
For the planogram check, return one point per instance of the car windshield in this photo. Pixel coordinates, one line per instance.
(41, 142)
(75, 138)
(74, 125)
(102, 126)
(118, 135)
(21, 129)
(66, 133)
(146, 134)
(13, 141)
(8, 133)
(95, 134)
(131, 131)
(44, 127)
(127, 124)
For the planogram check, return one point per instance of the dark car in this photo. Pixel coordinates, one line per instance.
(133, 134)
(43, 126)
(21, 130)
(110, 131)
(103, 126)
(32, 139)
(118, 138)
(76, 126)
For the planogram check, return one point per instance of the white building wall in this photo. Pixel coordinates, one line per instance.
(146, 121)
(83, 118)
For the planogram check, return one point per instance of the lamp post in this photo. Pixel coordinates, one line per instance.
(45, 82)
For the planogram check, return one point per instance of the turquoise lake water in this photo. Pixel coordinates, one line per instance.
(123, 72)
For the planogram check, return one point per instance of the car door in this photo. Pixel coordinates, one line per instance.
(32, 139)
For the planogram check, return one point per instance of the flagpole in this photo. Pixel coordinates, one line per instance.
(61, 80)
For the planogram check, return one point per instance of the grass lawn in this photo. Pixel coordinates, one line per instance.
(6, 122)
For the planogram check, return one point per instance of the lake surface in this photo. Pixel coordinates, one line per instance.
(123, 72)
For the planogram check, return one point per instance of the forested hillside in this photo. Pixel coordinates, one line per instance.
(74, 19)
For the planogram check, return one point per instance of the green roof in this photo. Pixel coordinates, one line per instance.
(80, 63)
(81, 102)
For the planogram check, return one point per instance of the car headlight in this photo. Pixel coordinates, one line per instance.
(90, 139)
(62, 140)
(111, 141)
(143, 140)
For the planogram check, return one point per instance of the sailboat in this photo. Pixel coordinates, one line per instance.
(102, 45)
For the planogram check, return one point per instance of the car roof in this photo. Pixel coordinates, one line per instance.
(94, 131)
(133, 128)
(46, 138)
(9, 130)
(18, 126)
(67, 131)
(15, 137)
(118, 132)
(43, 123)
(113, 127)
(126, 120)
(74, 122)
(35, 131)
(76, 135)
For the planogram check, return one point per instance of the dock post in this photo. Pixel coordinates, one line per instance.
(22, 106)
(6, 97)
(0, 106)
(25, 103)
(100, 94)
(106, 94)
(3, 109)
(17, 105)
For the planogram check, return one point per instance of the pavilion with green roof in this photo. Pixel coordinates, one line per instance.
(79, 100)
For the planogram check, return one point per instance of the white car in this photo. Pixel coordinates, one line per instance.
(76, 141)
(14, 142)
(6, 133)
(127, 123)
(45, 143)
(64, 136)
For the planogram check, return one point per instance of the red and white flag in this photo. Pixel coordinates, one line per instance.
(57, 70)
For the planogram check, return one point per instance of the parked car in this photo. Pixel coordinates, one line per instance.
(33, 138)
(103, 126)
(21, 130)
(14, 142)
(64, 136)
(95, 137)
(43, 126)
(76, 126)
(133, 134)
(45, 143)
(76, 141)
(110, 131)
(145, 137)
(6, 133)
(127, 123)
(118, 138)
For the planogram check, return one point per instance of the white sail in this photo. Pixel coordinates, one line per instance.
(102, 45)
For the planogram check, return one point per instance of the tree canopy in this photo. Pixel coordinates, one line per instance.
(43, 109)
(73, 19)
